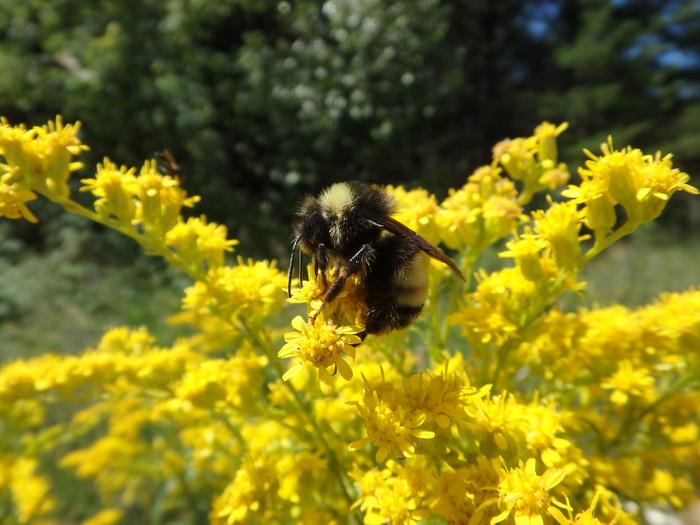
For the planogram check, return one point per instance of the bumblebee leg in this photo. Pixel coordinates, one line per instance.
(358, 262)
(321, 263)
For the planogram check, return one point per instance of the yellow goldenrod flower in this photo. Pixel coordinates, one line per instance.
(199, 243)
(30, 492)
(560, 225)
(459, 493)
(599, 209)
(41, 158)
(391, 425)
(526, 251)
(389, 498)
(253, 485)
(517, 159)
(321, 344)
(484, 210)
(349, 308)
(13, 202)
(554, 175)
(546, 134)
(417, 209)
(160, 199)
(630, 379)
(104, 517)
(586, 517)
(437, 395)
(115, 189)
(268, 488)
(525, 494)
(641, 183)
(234, 381)
(533, 160)
(253, 287)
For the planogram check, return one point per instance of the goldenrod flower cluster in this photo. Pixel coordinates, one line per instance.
(496, 406)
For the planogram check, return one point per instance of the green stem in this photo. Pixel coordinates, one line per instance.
(303, 408)
(605, 243)
(157, 248)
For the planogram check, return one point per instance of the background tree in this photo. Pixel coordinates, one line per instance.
(263, 101)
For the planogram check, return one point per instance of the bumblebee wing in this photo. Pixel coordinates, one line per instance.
(393, 226)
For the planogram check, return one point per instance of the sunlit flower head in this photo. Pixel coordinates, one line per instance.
(115, 189)
(560, 225)
(525, 494)
(321, 344)
(417, 209)
(641, 183)
(546, 134)
(348, 308)
(527, 252)
(13, 202)
(630, 380)
(202, 244)
(391, 424)
(41, 157)
(161, 198)
(253, 288)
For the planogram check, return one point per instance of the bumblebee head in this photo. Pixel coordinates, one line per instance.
(312, 226)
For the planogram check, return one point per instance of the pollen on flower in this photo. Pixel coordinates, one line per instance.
(321, 344)
(349, 308)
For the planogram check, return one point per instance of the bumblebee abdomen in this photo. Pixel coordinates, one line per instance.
(390, 316)
(410, 282)
(397, 301)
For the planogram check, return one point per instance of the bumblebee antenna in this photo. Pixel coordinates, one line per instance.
(300, 261)
(291, 266)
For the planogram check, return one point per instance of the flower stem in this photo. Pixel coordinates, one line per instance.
(304, 409)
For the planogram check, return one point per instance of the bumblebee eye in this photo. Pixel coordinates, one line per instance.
(315, 230)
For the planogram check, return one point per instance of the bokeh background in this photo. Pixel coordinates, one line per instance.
(262, 102)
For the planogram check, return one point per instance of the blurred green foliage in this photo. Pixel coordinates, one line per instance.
(262, 101)
(61, 299)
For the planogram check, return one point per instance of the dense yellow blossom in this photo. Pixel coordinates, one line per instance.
(250, 288)
(495, 406)
(13, 203)
(321, 344)
(418, 210)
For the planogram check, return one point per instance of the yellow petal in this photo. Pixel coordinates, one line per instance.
(442, 420)
(642, 193)
(298, 323)
(357, 445)
(558, 516)
(382, 453)
(288, 350)
(344, 369)
(499, 518)
(423, 434)
(292, 371)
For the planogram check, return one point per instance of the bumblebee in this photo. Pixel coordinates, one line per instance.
(351, 225)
